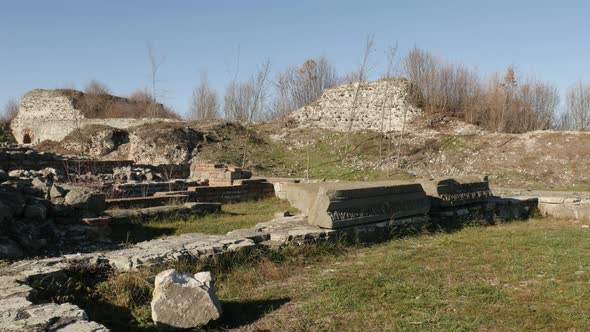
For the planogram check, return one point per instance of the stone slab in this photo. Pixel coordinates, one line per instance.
(339, 205)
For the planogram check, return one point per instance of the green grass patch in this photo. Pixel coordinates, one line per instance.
(287, 156)
(521, 276)
(233, 216)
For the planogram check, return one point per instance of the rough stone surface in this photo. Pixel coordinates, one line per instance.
(9, 249)
(182, 300)
(333, 109)
(86, 200)
(3, 176)
(36, 212)
(457, 191)
(19, 313)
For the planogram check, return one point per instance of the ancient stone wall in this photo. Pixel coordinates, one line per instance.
(242, 190)
(28, 159)
(51, 115)
(218, 174)
(381, 103)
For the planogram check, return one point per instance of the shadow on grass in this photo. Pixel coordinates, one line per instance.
(136, 232)
(235, 315)
(240, 313)
(116, 318)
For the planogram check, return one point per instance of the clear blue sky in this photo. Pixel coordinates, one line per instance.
(59, 43)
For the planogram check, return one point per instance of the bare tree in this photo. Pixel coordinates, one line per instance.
(155, 63)
(300, 86)
(10, 110)
(95, 87)
(142, 106)
(361, 78)
(204, 103)
(391, 54)
(283, 103)
(539, 105)
(245, 101)
(238, 100)
(578, 106)
(419, 67)
(503, 103)
(141, 96)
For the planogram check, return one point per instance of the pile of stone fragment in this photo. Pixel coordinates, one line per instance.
(38, 213)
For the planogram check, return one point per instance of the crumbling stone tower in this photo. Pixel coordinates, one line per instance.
(380, 103)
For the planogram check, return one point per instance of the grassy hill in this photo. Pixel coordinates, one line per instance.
(535, 160)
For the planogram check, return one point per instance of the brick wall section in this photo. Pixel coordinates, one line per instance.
(246, 191)
(218, 174)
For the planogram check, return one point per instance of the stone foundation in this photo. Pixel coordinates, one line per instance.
(246, 190)
(218, 174)
(25, 158)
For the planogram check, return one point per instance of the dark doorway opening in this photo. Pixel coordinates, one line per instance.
(27, 139)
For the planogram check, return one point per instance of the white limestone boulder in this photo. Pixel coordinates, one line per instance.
(182, 300)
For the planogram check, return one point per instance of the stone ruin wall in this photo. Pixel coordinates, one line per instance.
(380, 102)
(49, 115)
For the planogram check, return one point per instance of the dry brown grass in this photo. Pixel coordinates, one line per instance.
(107, 106)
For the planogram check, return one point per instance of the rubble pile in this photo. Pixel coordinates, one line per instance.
(36, 211)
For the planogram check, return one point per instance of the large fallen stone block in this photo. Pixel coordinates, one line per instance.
(339, 205)
(84, 199)
(182, 300)
(457, 191)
